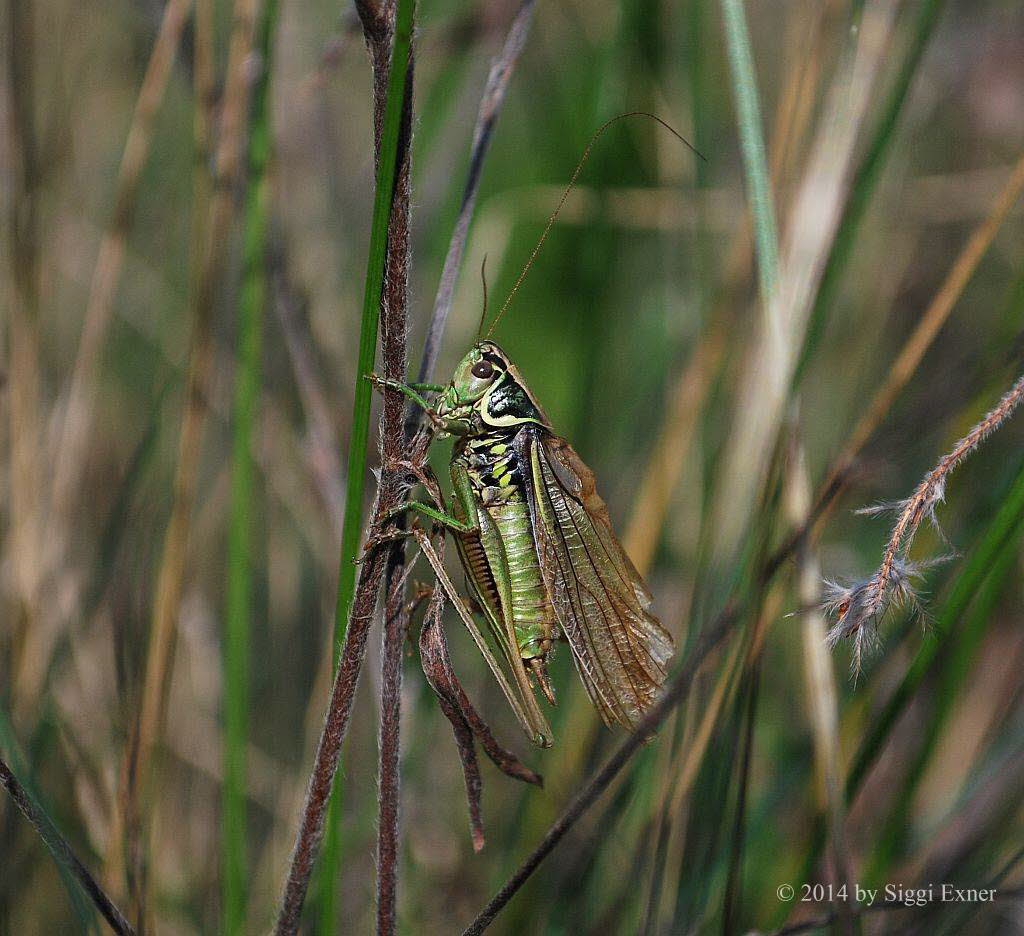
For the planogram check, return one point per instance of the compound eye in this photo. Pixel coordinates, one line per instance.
(483, 369)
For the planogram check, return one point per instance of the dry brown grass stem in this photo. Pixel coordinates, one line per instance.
(676, 689)
(212, 225)
(907, 361)
(321, 443)
(379, 28)
(325, 764)
(665, 464)
(394, 632)
(819, 679)
(860, 606)
(213, 259)
(379, 566)
(68, 458)
(812, 221)
(75, 431)
(931, 322)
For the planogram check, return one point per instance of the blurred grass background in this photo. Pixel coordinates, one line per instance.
(641, 329)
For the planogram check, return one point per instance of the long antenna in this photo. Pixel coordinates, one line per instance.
(483, 313)
(572, 182)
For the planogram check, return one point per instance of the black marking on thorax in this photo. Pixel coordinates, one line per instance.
(510, 399)
(491, 459)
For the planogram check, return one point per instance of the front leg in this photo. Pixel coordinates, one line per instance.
(439, 516)
(413, 392)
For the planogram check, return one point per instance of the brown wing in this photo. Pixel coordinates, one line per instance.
(620, 648)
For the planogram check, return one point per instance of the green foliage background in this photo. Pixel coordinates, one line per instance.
(651, 254)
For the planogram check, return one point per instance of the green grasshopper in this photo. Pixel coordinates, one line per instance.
(538, 549)
(541, 558)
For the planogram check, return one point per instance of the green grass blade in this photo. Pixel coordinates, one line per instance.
(755, 161)
(353, 520)
(239, 587)
(352, 524)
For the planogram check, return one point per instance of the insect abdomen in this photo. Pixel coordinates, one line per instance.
(532, 614)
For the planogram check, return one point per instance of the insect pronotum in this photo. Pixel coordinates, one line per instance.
(542, 561)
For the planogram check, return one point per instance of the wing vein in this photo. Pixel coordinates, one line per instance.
(619, 648)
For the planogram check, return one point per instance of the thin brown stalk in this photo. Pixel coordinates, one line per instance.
(668, 457)
(812, 222)
(325, 763)
(932, 320)
(394, 307)
(62, 852)
(213, 238)
(905, 365)
(675, 691)
(396, 627)
(860, 606)
(487, 116)
(69, 458)
(378, 27)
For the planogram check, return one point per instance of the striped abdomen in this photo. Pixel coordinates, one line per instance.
(533, 617)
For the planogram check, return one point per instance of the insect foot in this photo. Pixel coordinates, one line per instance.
(381, 538)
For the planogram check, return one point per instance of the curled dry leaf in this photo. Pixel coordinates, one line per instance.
(466, 722)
